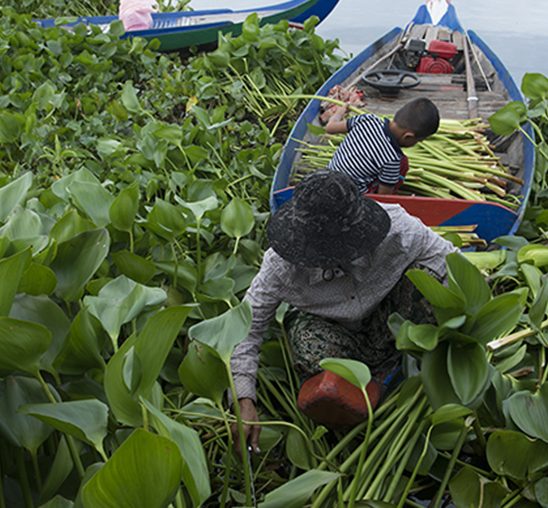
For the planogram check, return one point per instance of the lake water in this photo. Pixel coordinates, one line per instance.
(517, 30)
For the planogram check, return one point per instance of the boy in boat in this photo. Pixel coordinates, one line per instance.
(371, 152)
(338, 258)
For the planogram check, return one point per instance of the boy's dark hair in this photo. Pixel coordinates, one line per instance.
(421, 116)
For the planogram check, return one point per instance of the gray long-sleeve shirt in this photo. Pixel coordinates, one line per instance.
(348, 297)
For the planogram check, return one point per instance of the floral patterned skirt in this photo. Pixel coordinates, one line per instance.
(313, 338)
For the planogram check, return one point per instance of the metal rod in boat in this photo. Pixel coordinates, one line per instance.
(470, 85)
(478, 62)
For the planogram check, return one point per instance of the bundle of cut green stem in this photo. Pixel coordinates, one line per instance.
(456, 162)
(383, 466)
(264, 94)
(461, 236)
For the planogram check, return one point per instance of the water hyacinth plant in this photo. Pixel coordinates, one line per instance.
(133, 201)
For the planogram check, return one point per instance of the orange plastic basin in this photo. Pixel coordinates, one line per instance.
(332, 401)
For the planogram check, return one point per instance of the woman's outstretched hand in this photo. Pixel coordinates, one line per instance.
(248, 413)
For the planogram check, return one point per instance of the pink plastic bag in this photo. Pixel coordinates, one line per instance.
(136, 14)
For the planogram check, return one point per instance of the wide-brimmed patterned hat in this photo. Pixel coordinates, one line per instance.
(327, 222)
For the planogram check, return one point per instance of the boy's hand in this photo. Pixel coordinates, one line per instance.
(386, 189)
(339, 112)
(337, 124)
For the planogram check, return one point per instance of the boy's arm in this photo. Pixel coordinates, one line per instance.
(389, 176)
(337, 124)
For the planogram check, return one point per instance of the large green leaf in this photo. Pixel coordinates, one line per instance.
(448, 413)
(121, 397)
(22, 345)
(11, 273)
(532, 276)
(425, 336)
(507, 119)
(296, 450)
(11, 126)
(92, 199)
(541, 492)
(536, 254)
(44, 311)
(120, 301)
(152, 347)
(400, 329)
(84, 419)
(82, 349)
(156, 340)
(184, 271)
(37, 280)
(17, 428)
(59, 469)
(251, 31)
(143, 473)
(434, 291)
(199, 208)
(530, 412)
(539, 308)
(446, 435)
(13, 193)
(469, 489)
(435, 377)
(134, 266)
(124, 208)
(535, 86)
(130, 99)
(166, 220)
(295, 493)
(223, 333)
(70, 225)
(486, 260)
(467, 281)
(77, 261)
(468, 370)
(497, 317)
(513, 454)
(353, 371)
(195, 469)
(25, 228)
(58, 502)
(510, 362)
(199, 359)
(237, 218)
(60, 188)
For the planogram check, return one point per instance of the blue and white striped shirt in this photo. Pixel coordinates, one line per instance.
(369, 152)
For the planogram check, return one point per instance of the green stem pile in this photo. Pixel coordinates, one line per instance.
(456, 162)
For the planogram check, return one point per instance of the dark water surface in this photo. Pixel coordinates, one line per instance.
(517, 30)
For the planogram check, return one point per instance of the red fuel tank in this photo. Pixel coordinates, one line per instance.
(442, 49)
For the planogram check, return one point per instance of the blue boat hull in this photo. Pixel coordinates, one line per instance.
(177, 30)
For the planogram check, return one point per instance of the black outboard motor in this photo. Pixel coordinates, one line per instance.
(413, 52)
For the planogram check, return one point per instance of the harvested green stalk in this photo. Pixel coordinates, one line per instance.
(454, 163)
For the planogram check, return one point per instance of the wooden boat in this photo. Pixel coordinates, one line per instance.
(178, 30)
(489, 87)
